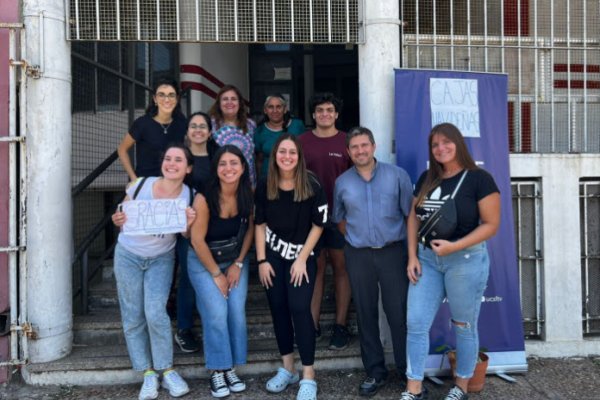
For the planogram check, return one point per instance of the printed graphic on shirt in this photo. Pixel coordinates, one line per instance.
(431, 204)
(288, 250)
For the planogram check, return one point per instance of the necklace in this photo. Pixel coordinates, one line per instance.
(166, 127)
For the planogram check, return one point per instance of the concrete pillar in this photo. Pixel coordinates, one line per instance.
(49, 206)
(377, 58)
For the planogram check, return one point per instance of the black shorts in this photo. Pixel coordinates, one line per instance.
(331, 238)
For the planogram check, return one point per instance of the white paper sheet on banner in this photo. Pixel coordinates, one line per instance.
(455, 101)
(151, 217)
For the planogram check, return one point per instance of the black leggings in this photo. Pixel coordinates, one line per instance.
(290, 308)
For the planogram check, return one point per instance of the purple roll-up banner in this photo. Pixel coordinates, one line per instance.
(477, 104)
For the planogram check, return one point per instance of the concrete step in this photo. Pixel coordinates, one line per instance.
(105, 327)
(109, 365)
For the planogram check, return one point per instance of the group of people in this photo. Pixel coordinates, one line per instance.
(301, 197)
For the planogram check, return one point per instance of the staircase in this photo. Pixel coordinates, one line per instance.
(99, 355)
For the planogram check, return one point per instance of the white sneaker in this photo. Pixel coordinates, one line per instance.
(175, 384)
(149, 390)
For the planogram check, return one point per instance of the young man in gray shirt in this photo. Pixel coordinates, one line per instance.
(371, 202)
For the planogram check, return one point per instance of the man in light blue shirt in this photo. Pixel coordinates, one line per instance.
(371, 202)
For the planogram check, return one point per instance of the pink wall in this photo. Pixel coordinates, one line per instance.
(9, 12)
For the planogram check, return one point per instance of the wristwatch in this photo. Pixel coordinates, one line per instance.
(239, 264)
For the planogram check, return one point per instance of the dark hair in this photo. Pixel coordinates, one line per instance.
(287, 116)
(302, 186)
(322, 98)
(152, 108)
(211, 145)
(357, 131)
(436, 170)
(187, 153)
(244, 195)
(242, 114)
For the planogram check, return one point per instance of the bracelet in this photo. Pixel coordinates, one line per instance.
(264, 260)
(216, 274)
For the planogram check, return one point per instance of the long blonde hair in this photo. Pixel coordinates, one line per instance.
(302, 186)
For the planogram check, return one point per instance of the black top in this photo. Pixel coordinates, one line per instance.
(200, 173)
(289, 222)
(151, 141)
(477, 185)
(222, 228)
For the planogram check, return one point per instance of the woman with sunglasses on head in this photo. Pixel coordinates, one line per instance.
(162, 124)
(455, 267)
(291, 209)
(231, 124)
(218, 267)
(144, 271)
(277, 120)
(203, 147)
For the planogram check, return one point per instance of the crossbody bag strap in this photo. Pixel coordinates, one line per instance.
(462, 178)
(137, 189)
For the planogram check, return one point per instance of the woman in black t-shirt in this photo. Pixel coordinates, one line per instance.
(291, 209)
(162, 124)
(224, 211)
(199, 140)
(456, 266)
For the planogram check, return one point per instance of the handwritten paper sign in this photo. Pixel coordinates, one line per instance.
(455, 101)
(152, 217)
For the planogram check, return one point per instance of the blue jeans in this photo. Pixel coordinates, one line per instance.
(462, 278)
(185, 291)
(224, 329)
(143, 285)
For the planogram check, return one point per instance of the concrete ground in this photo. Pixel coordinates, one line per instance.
(567, 378)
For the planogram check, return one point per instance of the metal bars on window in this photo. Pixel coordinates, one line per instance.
(589, 194)
(526, 197)
(549, 49)
(237, 21)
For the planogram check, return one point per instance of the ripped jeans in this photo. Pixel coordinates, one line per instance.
(462, 278)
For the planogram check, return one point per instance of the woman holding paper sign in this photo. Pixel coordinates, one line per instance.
(144, 272)
(456, 265)
(218, 266)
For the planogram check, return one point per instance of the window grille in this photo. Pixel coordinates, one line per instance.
(550, 50)
(237, 21)
(527, 199)
(589, 192)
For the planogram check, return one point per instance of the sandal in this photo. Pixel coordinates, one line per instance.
(308, 390)
(281, 380)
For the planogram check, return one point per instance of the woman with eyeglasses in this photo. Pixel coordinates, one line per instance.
(162, 124)
(203, 147)
(277, 120)
(231, 124)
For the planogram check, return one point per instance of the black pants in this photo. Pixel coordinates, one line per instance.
(369, 270)
(290, 308)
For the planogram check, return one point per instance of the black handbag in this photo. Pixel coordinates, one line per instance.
(442, 223)
(227, 250)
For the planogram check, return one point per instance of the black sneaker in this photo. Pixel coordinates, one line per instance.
(234, 382)
(456, 393)
(218, 385)
(186, 341)
(340, 338)
(370, 386)
(411, 396)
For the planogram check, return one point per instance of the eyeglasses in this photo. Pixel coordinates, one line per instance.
(170, 96)
(277, 107)
(200, 126)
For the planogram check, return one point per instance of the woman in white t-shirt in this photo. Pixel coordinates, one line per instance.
(143, 267)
